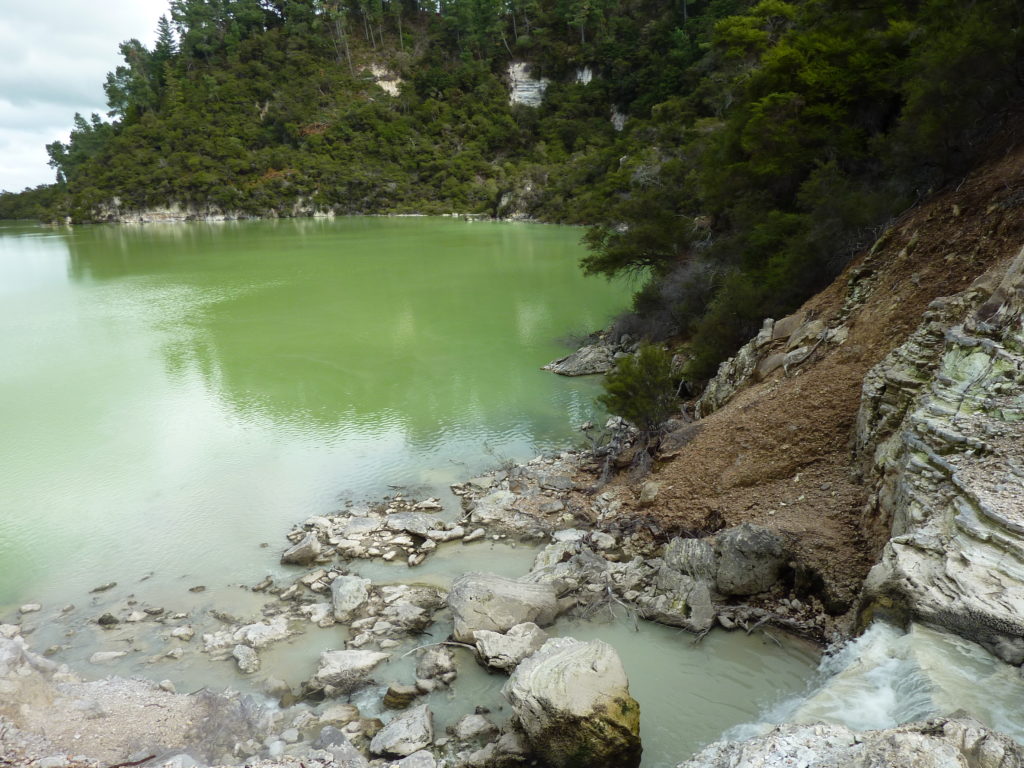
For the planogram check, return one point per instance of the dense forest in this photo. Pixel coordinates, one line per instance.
(763, 142)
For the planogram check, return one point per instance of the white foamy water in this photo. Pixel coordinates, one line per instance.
(888, 677)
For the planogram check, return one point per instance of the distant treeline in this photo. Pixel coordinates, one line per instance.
(764, 141)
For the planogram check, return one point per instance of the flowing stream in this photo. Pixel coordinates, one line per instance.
(175, 397)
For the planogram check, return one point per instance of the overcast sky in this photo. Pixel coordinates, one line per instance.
(56, 56)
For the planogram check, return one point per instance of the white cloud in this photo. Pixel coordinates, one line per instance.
(56, 58)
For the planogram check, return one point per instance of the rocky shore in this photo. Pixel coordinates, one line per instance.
(558, 687)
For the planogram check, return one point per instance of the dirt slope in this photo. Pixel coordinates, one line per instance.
(779, 453)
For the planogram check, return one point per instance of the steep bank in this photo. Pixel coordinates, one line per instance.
(777, 447)
(881, 424)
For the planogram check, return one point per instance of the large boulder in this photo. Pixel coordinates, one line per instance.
(939, 743)
(750, 560)
(405, 735)
(346, 670)
(348, 595)
(572, 700)
(486, 601)
(505, 651)
(304, 552)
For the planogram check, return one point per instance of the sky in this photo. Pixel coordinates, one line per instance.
(56, 56)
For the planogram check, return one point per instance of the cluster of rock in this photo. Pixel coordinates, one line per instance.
(559, 688)
(528, 500)
(941, 433)
(692, 583)
(377, 616)
(398, 529)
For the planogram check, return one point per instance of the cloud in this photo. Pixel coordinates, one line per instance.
(56, 58)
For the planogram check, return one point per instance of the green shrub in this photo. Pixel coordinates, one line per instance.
(640, 389)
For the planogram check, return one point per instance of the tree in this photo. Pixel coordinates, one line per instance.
(640, 388)
(132, 90)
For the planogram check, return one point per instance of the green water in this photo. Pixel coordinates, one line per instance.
(174, 395)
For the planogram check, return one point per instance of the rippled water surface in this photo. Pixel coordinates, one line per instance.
(174, 395)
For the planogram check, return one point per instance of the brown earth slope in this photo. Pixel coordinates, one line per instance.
(779, 453)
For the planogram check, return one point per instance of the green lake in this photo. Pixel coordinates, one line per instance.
(176, 397)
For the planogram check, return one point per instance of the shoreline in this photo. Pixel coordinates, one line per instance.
(177, 214)
(545, 508)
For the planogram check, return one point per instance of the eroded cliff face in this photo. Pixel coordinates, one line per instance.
(114, 212)
(941, 427)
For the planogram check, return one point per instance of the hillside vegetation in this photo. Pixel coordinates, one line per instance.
(764, 142)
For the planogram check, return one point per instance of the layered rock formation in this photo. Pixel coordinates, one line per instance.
(942, 427)
(484, 601)
(572, 700)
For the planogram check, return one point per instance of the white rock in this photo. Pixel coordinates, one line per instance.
(247, 659)
(348, 595)
(505, 651)
(104, 657)
(405, 735)
(303, 553)
(421, 759)
(476, 535)
(473, 727)
(495, 603)
(262, 633)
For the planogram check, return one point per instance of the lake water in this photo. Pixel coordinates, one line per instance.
(175, 396)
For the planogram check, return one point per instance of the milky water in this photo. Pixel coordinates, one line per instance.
(174, 398)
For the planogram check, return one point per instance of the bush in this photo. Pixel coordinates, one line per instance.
(640, 389)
